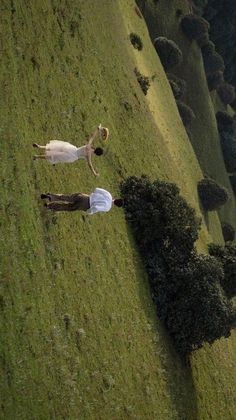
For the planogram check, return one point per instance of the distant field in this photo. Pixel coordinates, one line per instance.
(79, 334)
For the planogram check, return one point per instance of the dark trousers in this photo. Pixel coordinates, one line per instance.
(61, 202)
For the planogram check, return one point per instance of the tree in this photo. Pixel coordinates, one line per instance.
(168, 51)
(211, 194)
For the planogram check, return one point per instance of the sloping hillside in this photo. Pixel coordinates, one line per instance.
(80, 338)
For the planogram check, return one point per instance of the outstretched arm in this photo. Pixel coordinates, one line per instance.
(91, 165)
(94, 136)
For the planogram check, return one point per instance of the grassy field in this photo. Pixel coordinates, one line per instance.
(79, 334)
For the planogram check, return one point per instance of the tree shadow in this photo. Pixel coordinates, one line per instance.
(177, 371)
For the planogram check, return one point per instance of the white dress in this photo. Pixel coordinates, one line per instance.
(61, 151)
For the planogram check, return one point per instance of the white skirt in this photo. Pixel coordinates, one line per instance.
(61, 151)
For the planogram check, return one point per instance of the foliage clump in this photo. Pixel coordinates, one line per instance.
(232, 179)
(228, 232)
(195, 27)
(226, 93)
(185, 286)
(225, 122)
(168, 52)
(226, 255)
(214, 80)
(186, 113)
(211, 194)
(136, 41)
(144, 81)
(178, 85)
(213, 62)
(228, 146)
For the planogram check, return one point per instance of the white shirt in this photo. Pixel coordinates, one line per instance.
(100, 200)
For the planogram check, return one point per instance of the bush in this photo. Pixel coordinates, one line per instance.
(159, 215)
(194, 26)
(203, 40)
(136, 41)
(228, 146)
(168, 51)
(185, 287)
(227, 257)
(225, 122)
(186, 113)
(144, 81)
(213, 63)
(208, 48)
(214, 80)
(228, 232)
(232, 179)
(196, 310)
(211, 194)
(226, 93)
(178, 85)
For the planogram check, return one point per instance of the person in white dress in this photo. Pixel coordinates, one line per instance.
(57, 151)
(99, 201)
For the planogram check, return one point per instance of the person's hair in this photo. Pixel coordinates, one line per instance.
(98, 151)
(119, 202)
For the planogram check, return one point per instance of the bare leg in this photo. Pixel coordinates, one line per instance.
(62, 206)
(39, 157)
(38, 146)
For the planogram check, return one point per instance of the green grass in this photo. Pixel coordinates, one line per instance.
(80, 338)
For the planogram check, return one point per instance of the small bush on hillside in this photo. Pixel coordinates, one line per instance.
(228, 232)
(213, 63)
(186, 113)
(232, 179)
(168, 51)
(136, 41)
(214, 80)
(228, 146)
(225, 122)
(144, 81)
(178, 85)
(196, 310)
(208, 48)
(211, 194)
(203, 40)
(227, 257)
(194, 26)
(226, 93)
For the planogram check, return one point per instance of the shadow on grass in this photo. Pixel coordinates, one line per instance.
(176, 371)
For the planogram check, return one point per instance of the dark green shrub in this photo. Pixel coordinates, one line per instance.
(196, 310)
(214, 80)
(144, 81)
(226, 93)
(228, 232)
(208, 48)
(203, 40)
(186, 113)
(225, 122)
(185, 287)
(178, 85)
(232, 179)
(159, 215)
(228, 146)
(194, 26)
(211, 194)
(213, 63)
(136, 41)
(227, 257)
(200, 4)
(168, 51)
